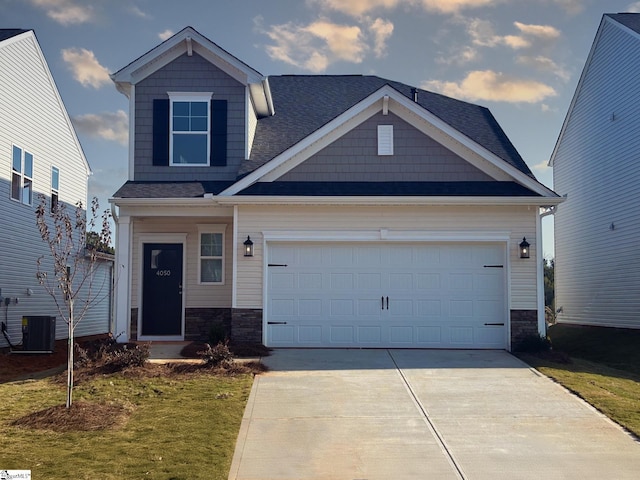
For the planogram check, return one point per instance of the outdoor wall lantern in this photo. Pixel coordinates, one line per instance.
(524, 248)
(248, 247)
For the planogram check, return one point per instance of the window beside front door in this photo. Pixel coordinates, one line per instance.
(211, 260)
(22, 176)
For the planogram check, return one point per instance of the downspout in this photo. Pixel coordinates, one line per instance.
(542, 324)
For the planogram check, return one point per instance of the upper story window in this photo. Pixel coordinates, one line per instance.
(22, 176)
(190, 127)
(55, 187)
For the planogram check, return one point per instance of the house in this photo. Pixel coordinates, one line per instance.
(319, 211)
(595, 165)
(39, 154)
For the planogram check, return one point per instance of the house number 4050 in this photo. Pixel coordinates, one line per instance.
(163, 273)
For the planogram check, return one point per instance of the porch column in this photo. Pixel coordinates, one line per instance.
(123, 279)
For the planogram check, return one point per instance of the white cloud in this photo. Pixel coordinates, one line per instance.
(382, 31)
(542, 166)
(166, 34)
(455, 6)
(85, 67)
(358, 8)
(572, 7)
(633, 8)
(544, 64)
(65, 12)
(112, 126)
(493, 86)
(483, 34)
(541, 31)
(136, 11)
(315, 46)
(460, 56)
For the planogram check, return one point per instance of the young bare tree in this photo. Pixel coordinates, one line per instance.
(68, 276)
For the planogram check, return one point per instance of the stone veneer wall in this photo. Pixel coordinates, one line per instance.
(198, 323)
(523, 323)
(246, 325)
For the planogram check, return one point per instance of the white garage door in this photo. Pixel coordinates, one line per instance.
(386, 295)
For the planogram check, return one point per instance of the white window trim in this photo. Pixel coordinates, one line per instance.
(211, 228)
(385, 140)
(22, 175)
(190, 97)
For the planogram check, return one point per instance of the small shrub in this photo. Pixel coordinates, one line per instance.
(532, 344)
(110, 356)
(218, 356)
(218, 334)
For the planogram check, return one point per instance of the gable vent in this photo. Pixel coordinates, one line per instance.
(385, 139)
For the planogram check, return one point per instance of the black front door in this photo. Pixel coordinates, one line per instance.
(162, 290)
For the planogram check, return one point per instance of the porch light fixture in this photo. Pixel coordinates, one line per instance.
(248, 247)
(524, 248)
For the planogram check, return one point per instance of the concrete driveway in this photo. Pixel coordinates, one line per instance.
(421, 414)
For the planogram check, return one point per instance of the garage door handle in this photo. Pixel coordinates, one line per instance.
(387, 303)
(494, 324)
(276, 323)
(382, 302)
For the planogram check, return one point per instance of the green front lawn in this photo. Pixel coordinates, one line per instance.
(178, 427)
(604, 369)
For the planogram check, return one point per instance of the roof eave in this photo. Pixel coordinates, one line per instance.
(386, 200)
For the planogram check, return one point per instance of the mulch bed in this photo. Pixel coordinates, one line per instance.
(81, 416)
(18, 365)
(239, 350)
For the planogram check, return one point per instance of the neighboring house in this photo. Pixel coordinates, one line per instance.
(379, 215)
(39, 154)
(596, 164)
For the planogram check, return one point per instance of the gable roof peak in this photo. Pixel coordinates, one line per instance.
(186, 41)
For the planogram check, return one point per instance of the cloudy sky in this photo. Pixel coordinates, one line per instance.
(520, 58)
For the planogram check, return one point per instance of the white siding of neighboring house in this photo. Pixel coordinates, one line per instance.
(33, 117)
(449, 221)
(597, 165)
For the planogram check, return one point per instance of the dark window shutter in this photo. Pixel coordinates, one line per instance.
(218, 133)
(161, 131)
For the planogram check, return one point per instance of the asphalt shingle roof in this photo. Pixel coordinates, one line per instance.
(304, 103)
(390, 189)
(133, 189)
(6, 33)
(630, 20)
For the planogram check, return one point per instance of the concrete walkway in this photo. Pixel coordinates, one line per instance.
(421, 414)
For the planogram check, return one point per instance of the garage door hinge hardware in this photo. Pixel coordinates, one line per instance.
(276, 323)
(494, 324)
(494, 266)
(277, 265)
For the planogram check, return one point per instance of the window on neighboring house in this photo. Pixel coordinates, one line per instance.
(55, 187)
(211, 264)
(189, 140)
(22, 176)
(385, 139)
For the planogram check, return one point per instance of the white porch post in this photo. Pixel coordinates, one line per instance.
(123, 279)
(542, 325)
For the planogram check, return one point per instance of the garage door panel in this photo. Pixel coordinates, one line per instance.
(440, 296)
(370, 335)
(340, 334)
